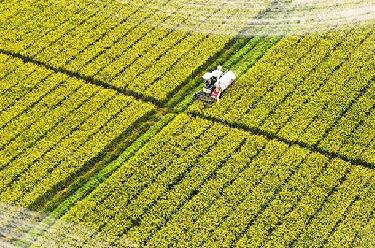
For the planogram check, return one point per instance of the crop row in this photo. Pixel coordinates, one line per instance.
(199, 183)
(115, 44)
(12, 8)
(316, 90)
(52, 126)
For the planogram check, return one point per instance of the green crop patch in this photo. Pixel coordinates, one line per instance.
(52, 127)
(202, 184)
(317, 89)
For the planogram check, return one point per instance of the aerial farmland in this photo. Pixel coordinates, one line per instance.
(187, 123)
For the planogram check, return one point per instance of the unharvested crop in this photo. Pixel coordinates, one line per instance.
(202, 184)
(317, 90)
(52, 126)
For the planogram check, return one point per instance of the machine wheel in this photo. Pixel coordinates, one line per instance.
(204, 97)
(199, 95)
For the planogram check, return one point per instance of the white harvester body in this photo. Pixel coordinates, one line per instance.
(213, 79)
(226, 79)
(207, 76)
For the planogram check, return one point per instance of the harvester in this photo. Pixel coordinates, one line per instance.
(212, 80)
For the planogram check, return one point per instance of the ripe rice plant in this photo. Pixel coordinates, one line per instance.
(52, 126)
(209, 184)
(320, 98)
(108, 139)
(115, 45)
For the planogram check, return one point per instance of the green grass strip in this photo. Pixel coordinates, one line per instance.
(110, 168)
(226, 54)
(94, 181)
(240, 63)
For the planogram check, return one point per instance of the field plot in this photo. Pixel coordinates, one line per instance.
(317, 89)
(52, 126)
(203, 184)
(116, 43)
(99, 128)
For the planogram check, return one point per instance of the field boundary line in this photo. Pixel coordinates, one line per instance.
(269, 135)
(86, 79)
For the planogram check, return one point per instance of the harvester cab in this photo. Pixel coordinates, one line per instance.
(211, 80)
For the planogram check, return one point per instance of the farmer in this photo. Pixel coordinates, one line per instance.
(215, 94)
